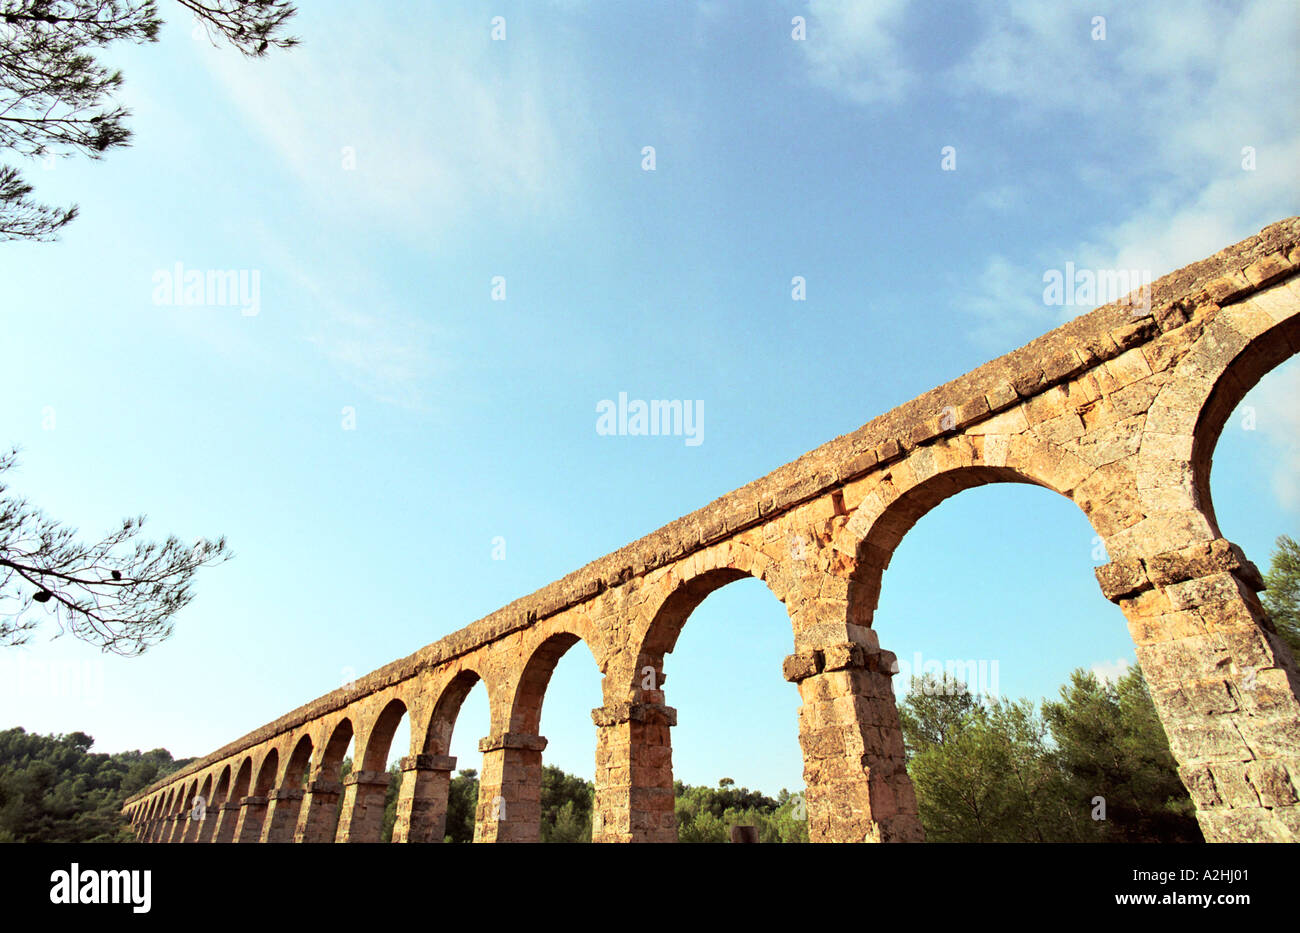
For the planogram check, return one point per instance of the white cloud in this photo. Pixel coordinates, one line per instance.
(1007, 300)
(852, 48)
(453, 135)
(384, 355)
(1182, 94)
(1111, 671)
(447, 126)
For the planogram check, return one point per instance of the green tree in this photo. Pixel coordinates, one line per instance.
(54, 789)
(997, 770)
(1282, 598)
(462, 800)
(935, 708)
(56, 99)
(978, 769)
(566, 806)
(1110, 744)
(390, 801)
(706, 814)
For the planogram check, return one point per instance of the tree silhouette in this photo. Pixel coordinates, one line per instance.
(118, 593)
(57, 100)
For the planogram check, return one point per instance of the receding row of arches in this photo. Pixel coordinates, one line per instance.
(298, 789)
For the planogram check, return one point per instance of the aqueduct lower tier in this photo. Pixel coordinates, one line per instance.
(1119, 410)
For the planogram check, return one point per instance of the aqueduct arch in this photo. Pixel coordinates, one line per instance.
(1118, 409)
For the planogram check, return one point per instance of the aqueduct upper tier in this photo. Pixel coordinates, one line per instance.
(1119, 410)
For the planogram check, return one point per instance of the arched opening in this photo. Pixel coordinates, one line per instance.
(170, 804)
(323, 802)
(186, 824)
(266, 774)
(564, 769)
(285, 805)
(201, 820)
(1227, 403)
(381, 736)
(220, 797)
(145, 814)
(1246, 468)
(297, 770)
(155, 815)
(370, 792)
(338, 749)
(243, 780)
(232, 816)
(253, 807)
(1018, 702)
(159, 817)
(888, 531)
(456, 752)
(736, 758)
(711, 776)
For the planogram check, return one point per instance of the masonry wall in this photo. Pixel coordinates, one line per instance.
(1119, 410)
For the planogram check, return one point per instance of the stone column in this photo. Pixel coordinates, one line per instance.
(634, 771)
(362, 817)
(1224, 685)
(252, 813)
(191, 827)
(153, 829)
(510, 788)
(227, 820)
(854, 767)
(282, 814)
(318, 814)
(422, 799)
(174, 827)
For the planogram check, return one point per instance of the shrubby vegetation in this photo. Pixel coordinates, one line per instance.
(706, 814)
(566, 806)
(998, 770)
(1282, 598)
(54, 789)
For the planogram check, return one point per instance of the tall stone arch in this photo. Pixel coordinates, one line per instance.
(1225, 685)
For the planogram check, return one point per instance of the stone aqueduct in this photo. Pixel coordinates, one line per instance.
(1119, 410)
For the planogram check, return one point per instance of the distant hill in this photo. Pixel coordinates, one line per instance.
(54, 789)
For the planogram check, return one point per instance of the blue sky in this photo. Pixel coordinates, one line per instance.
(379, 177)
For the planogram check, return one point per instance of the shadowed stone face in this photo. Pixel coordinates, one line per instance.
(1119, 410)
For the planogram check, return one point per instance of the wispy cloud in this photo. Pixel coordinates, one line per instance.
(428, 130)
(429, 136)
(1180, 91)
(389, 352)
(1110, 672)
(1185, 94)
(1006, 300)
(852, 49)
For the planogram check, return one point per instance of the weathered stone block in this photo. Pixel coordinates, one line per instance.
(1121, 579)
